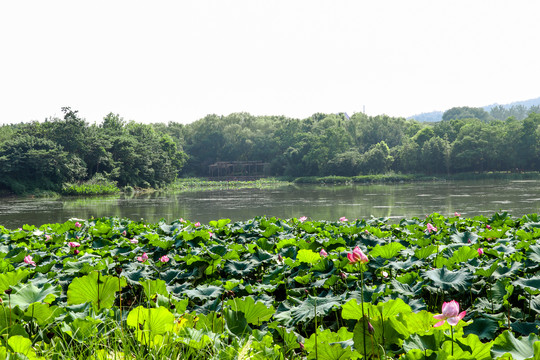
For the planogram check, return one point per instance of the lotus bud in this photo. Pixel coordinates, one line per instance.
(370, 328)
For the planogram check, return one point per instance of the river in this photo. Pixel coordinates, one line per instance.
(394, 201)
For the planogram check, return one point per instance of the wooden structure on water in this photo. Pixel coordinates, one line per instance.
(239, 170)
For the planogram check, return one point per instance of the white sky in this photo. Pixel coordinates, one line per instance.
(164, 60)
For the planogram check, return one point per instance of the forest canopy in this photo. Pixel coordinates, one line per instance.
(48, 154)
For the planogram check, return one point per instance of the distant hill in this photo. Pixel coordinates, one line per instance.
(437, 115)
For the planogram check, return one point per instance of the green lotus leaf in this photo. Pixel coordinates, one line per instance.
(101, 228)
(237, 323)
(5, 322)
(289, 337)
(153, 287)
(286, 243)
(212, 322)
(464, 254)
(519, 348)
(12, 278)
(84, 264)
(483, 327)
(218, 250)
(425, 343)
(388, 333)
(150, 322)
(196, 338)
(22, 345)
(503, 272)
(95, 288)
(43, 313)
(82, 328)
(305, 312)
(331, 345)
(26, 294)
(406, 289)
(450, 280)
(387, 251)
(205, 292)
(531, 285)
(254, 312)
(219, 223)
(392, 308)
(487, 271)
(135, 271)
(466, 237)
(239, 268)
(161, 242)
(500, 290)
(308, 256)
(16, 255)
(425, 251)
(477, 349)
(525, 328)
(418, 322)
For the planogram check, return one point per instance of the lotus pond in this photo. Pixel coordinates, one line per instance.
(267, 288)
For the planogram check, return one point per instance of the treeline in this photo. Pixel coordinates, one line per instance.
(334, 144)
(47, 155)
(51, 153)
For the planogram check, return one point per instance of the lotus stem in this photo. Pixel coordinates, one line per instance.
(98, 301)
(452, 332)
(316, 326)
(363, 315)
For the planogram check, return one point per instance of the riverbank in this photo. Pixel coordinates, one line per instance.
(402, 178)
(93, 188)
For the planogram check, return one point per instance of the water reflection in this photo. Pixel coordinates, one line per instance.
(395, 201)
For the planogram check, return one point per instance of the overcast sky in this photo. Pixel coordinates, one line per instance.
(161, 61)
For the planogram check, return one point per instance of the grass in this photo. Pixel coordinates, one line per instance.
(396, 178)
(199, 184)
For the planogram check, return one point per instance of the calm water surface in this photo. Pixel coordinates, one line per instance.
(395, 201)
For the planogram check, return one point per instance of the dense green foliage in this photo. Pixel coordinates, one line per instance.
(47, 155)
(335, 145)
(271, 288)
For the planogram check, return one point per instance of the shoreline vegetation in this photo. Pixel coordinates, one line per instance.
(40, 158)
(272, 289)
(102, 186)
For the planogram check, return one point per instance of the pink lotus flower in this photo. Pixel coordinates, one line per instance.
(343, 219)
(384, 274)
(48, 237)
(77, 224)
(124, 233)
(480, 251)
(488, 227)
(302, 218)
(431, 228)
(197, 224)
(76, 252)
(182, 220)
(343, 276)
(450, 313)
(457, 214)
(142, 258)
(28, 260)
(134, 241)
(211, 233)
(73, 244)
(323, 253)
(357, 256)
(164, 259)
